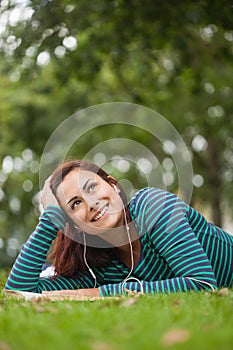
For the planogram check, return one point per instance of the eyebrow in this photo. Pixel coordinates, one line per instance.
(70, 200)
(76, 197)
(84, 186)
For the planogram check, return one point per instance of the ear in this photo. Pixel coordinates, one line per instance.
(113, 184)
(116, 188)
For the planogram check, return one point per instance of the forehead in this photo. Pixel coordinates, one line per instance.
(74, 182)
(80, 176)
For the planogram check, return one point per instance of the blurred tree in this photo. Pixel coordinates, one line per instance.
(61, 56)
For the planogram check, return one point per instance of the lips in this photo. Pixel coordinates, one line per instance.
(100, 214)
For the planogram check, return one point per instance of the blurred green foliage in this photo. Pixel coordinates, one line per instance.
(58, 57)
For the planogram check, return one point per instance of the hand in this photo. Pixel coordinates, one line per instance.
(47, 197)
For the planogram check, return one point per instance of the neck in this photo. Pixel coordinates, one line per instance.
(127, 251)
(124, 253)
(126, 241)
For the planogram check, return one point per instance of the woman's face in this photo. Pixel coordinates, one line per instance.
(91, 203)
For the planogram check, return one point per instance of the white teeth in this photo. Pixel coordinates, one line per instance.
(103, 211)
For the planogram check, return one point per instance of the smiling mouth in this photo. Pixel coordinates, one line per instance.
(100, 214)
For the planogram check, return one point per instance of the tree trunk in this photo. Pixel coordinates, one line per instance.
(215, 181)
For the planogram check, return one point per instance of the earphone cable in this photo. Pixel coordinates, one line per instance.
(132, 259)
(85, 260)
(128, 277)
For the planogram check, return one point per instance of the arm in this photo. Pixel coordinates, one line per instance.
(164, 219)
(25, 274)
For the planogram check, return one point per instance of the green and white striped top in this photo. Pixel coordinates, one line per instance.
(180, 251)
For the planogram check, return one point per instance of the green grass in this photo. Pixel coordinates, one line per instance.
(198, 320)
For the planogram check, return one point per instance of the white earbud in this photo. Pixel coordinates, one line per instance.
(116, 188)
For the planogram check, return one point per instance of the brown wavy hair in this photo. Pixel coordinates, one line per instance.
(67, 253)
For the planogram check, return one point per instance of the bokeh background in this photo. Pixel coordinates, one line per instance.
(59, 57)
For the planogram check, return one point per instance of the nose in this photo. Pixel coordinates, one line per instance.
(93, 205)
(92, 201)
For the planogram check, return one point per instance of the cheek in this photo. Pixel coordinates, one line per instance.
(116, 206)
(78, 217)
(78, 220)
(117, 200)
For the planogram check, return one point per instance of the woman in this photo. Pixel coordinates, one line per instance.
(102, 247)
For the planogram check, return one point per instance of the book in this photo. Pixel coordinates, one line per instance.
(52, 296)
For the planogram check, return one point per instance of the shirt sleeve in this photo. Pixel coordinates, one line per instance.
(25, 273)
(163, 216)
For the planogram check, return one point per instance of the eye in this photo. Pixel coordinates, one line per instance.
(92, 187)
(75, 204)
